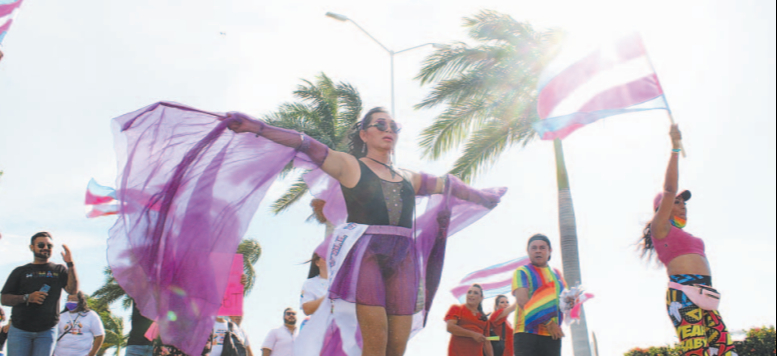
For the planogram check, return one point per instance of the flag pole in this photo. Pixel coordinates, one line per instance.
(668, 110)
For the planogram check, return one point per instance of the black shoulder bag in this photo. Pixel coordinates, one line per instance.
(232, 344)
(499, 346)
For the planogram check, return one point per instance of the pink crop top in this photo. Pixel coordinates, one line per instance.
(677, 243)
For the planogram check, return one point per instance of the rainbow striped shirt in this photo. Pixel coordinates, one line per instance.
(544, 285)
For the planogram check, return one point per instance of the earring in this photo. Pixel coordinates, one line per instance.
(364, 149)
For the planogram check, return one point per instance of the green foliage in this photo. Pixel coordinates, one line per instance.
(657, 351)
(251, 251)
(114, 327)
(488, 91)
(326, 111)
(759, 342)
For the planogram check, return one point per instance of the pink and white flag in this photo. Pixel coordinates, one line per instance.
(100, 200)
(495, 280)
(616, 78)
(8, 10)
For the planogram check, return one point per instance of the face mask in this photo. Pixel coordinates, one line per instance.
(678, 222)
(71, 306)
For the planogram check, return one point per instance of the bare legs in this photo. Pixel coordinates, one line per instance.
(383, 335)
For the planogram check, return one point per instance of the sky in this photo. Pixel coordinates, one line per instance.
(70, 67)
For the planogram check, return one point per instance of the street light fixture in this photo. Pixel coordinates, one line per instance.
(391, 53)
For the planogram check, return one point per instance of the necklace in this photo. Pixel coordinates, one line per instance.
(391, 169)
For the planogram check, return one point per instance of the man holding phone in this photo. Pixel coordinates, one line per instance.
(33, 291)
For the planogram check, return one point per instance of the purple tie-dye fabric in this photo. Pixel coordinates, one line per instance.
(189, 188)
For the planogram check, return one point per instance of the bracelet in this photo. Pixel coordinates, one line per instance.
(69, 264)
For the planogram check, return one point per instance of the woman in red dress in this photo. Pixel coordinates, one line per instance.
(500, 326)
(468, 326)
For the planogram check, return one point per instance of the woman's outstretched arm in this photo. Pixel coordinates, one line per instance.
(660, 224)
(339, 165)
(425, 184)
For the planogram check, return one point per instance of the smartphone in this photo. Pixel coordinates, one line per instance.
(45, 288)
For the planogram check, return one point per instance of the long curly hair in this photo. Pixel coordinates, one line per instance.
(356, 146)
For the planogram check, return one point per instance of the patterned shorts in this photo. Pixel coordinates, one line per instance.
(701, 332)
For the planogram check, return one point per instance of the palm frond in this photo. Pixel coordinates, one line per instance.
(251, 251)
(295, 192)
(110, 291)
(450, 60)
(481, 151)
(449, 129)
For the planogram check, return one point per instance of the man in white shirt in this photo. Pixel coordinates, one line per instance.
(280, 341)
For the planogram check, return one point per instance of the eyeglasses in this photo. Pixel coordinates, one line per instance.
(382, 125)
(42, 245)
(291, 314)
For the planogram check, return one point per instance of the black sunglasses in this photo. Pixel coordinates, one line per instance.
(384, 126)
(291, 314)
(42, 245)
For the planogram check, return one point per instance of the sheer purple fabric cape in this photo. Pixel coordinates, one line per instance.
(189, 188)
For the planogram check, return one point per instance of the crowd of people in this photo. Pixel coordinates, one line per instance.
(375, 283)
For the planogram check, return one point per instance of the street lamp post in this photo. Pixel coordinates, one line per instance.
(391, 53)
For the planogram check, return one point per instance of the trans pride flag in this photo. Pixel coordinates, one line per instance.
(614, 79)
(495, 280)
(100, 200)
(7, 8)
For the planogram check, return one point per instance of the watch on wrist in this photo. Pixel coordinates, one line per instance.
(27, 298)
(69, 264)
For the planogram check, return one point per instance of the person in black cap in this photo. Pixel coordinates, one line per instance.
(537, 321)
(691, 301)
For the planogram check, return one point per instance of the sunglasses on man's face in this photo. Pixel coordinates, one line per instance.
(291, 314)
(384, 126)
(43, 245)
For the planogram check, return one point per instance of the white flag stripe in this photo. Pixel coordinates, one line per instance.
(621, 74)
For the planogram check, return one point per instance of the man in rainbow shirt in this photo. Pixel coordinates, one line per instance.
(536, 288)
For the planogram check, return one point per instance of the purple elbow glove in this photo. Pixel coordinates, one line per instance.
(428, 184)
(316, 150)
(464, 192)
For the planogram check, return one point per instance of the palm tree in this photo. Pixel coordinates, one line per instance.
(327, 112)
(114, 327)
(111, 292)
(489, 95)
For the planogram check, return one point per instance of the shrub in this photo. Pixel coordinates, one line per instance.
(759, 342)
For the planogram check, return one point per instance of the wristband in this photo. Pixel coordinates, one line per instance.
(69, 264)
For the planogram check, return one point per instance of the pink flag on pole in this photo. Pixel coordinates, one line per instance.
(614, 79)
(233, 296)
(495, 280)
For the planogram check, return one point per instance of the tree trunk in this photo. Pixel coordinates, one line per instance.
(569, 251)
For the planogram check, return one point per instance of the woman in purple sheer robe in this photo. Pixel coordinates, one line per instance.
(384, 272)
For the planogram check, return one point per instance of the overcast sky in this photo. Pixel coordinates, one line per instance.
(72, 66)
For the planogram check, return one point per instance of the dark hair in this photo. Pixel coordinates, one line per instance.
(284, 313)
(645, 245)
(483, 316)
(496, 302)
(83, 305)
(314, 270)
(40, 234)
(356, 145)
(318, 209)
(540, 237)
